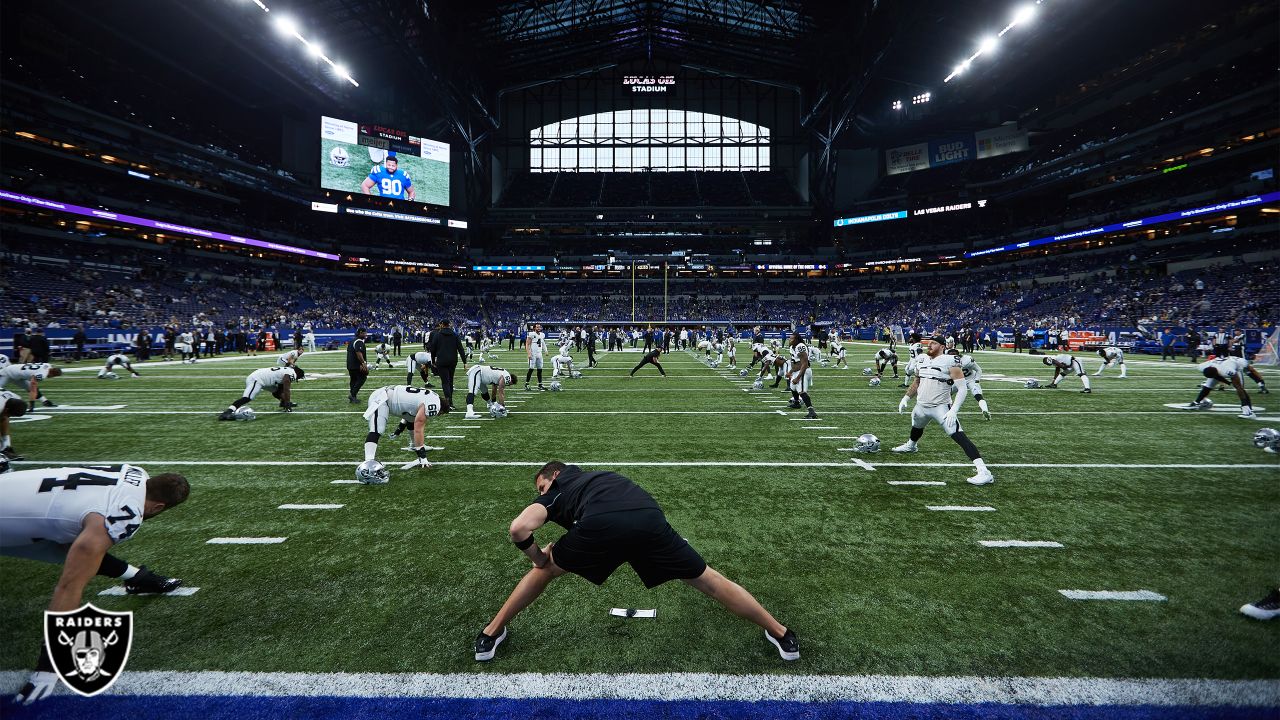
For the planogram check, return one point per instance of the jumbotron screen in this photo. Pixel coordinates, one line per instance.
(382, 161)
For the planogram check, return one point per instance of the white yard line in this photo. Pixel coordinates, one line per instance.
(1020, 543)
(670, 463)
(916, 482)
(994, 412)
(245, 541)
(961, 508)
(1021, 691)
(180, 592)
(1129, 595)
(321, 506)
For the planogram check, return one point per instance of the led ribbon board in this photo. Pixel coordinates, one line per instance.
(161, 225)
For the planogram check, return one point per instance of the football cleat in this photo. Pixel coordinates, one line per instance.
(474, 415)
(4, 465)
(1052, 386)
(906, 447)
(986, 414)
(227, 414)
(793, 404)
(1087, 391)
(867, 443)
(10, 454)
(48, 403)
(148, 582)
(372, 472)
(983, 478)
(486, 646)
(1248, 414)
(812, 414)
(1265, 609)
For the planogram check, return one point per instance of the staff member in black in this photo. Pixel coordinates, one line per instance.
(357, 366)
(610, 521)
(396, 338)
(591, 347)
(650, 357)
(444, 347)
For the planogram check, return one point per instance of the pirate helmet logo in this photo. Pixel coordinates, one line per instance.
(89, 647)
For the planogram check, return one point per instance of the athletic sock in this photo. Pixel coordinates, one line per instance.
(980, 464)
(982, 405)
(128, 574)
(370, 450)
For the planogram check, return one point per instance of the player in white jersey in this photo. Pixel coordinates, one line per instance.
(1064, 364)
(800, 376)
(972, 379)
(479, 378)
(937, 374)
(73, 516)
(886, 357)
(731, 352)
(290, 359)
(1231, 370)
(279, 380)
(412, 406)
(186, 346)
(4, 361)
(1111, 356)
(383, 353)
(11, 406)
(419, 362)
(30, 375)
(114, 361)
(561, 362)
(839, 354)
(535, 344)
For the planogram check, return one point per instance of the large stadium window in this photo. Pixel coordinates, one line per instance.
(657, 140)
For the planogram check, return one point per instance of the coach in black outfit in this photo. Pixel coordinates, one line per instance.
(357, 366)
(610, 521)
(591, 347)
(444, 347)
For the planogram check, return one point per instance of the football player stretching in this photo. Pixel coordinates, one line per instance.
(114, 361)
(937, 374)
(1111, 356)
(886, 357)
(276, 379)
(479, 380)
(801, 376)
(1226, 370)
(412, 406)
(972, 379)
(1063, 364)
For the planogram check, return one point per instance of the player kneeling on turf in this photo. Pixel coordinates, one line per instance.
(610, 521)
(116, 361)
(479, 380)
(936, 375)
(413, 406)
(73, 516)
(278, 380)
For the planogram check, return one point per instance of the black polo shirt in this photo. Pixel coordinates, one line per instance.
(353, 360)
(577, 493)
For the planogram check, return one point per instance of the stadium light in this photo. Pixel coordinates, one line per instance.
(286, 25)
(314, 49)
(1023, 15)
(988, 45)
(897, 104)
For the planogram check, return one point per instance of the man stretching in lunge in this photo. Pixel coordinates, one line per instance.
(610, 521)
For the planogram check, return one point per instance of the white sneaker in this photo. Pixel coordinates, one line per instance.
(905, 447)
(1248, 415)
(472, 416)
(983, 478)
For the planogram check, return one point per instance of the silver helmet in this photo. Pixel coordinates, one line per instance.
(742, 372)
(372, 472)
(867, 443)
(758, 384)
(575, 374)
(555, 386)
(1031, 384)
(868, 371)
(1267, 439)
(498, 411)
(245, 413)
(874, 382)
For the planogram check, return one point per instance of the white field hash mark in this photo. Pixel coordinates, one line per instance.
(1022, 691)
(245, 541)
(321, 506)
(961, 508)
(1021, 543)
(1131, 595)
(180, 592)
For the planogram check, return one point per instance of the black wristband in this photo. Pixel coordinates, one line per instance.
(422, 452)
(45, 663)
(525, 543)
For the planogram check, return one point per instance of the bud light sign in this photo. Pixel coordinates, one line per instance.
(951, 150)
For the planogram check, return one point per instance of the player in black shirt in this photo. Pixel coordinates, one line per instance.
(650, 357)
(610, 521)
(357, 364)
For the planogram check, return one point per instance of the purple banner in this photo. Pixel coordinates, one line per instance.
(1143, 222)
(161, 225)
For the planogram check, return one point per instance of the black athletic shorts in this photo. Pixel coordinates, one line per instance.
(598, 544)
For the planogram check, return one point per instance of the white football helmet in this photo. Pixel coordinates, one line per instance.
(111, 376)
(555, 386)
(497, 411)
(742, 372)
(1031, 384)
(1267, 439)
(338, 156)
(372, 472)
(758, 384)
(874, 382)
(575, 374)
(868, 371)
(245, 413)
(867, 443)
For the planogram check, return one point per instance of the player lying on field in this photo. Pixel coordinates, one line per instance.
(610, 521)
(73, 516)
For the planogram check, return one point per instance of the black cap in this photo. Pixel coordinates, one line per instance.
(938, 339)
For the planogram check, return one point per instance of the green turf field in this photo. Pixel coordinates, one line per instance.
(430, 177)
(403, 576)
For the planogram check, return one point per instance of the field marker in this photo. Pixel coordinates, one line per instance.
(918, 690)
(961, 508)
(321, 506)
(916, 482)
(344, 482)
(780, 413)
(1133, 595)
(462, 427)
(817, 427)
(863, 464)
(245, 541)
(1021, 543)
(181, 592)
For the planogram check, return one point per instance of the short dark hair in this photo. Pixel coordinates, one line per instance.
(171, 489)
(550, 468)
(15, 408)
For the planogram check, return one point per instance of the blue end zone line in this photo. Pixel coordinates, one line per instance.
(349, 708)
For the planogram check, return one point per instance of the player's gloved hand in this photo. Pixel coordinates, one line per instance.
(902, 404)
(399, 429)
(419, 463)
(39, 686)
(950, 418)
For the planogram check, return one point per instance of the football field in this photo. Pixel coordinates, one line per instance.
(908, 588)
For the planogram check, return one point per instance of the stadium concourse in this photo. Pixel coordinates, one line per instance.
(872, 360)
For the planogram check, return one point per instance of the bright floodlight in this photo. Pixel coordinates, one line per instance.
(341, 71)
(286, 25)
(1024, 14)
(314, 50)
(988, 44)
